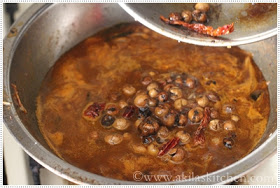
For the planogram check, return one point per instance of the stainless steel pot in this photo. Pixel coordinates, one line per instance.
(44, 33)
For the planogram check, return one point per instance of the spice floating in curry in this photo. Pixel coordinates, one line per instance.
(128, 99)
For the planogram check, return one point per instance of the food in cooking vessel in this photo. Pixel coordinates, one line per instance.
(199, 16)
(128, 99)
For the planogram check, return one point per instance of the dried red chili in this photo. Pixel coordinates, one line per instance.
(168, 146)
(199, 137)
(94, 110)
(129, 111)
(200, 28)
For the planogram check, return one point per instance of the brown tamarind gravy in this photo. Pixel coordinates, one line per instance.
(97, 110)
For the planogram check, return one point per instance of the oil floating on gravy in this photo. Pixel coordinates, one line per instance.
(128, 99)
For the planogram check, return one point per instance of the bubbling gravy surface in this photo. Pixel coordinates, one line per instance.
(98, 110)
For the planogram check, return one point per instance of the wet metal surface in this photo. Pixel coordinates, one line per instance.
(253, 21)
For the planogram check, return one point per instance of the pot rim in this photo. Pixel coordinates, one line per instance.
(77, 175)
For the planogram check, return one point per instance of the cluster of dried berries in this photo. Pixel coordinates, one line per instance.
(161, 110)
(199, 16)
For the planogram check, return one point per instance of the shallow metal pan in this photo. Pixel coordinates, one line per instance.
(252, 22)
